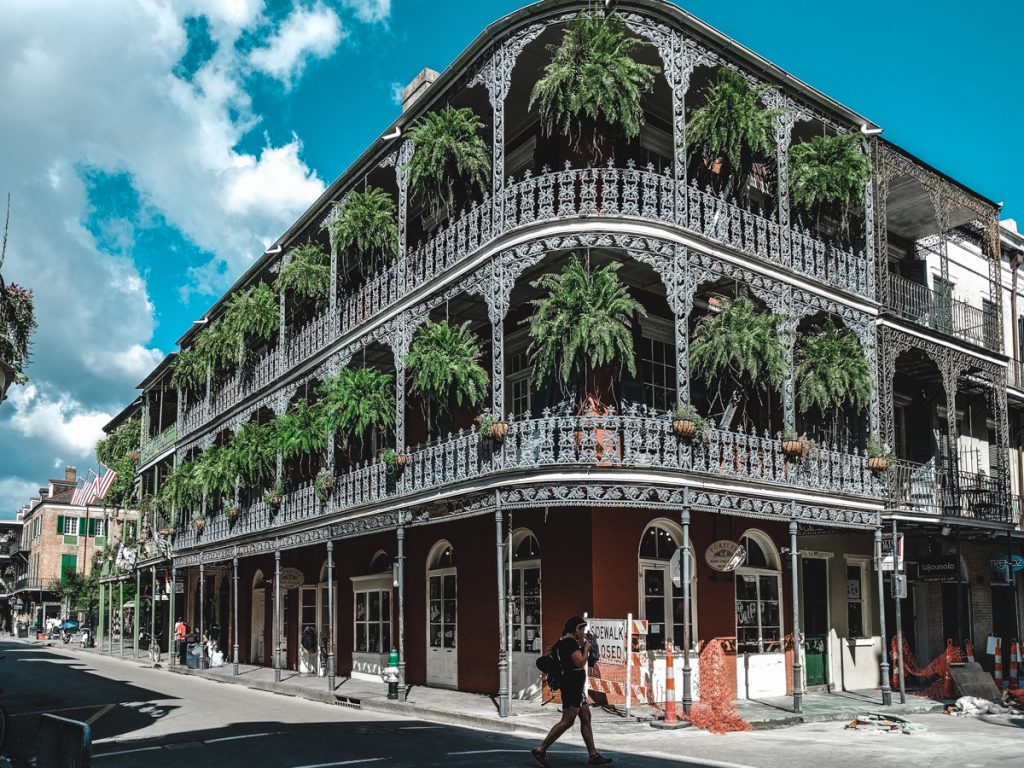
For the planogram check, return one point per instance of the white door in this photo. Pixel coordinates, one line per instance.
(442, 653)
(527, 644)
(309, 634)
(259, 607)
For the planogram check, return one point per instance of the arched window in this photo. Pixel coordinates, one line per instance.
(759, 596)
(443, 557)
(524, 594)
(661, 602)
(380, 563)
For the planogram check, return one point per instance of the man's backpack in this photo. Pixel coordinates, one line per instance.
(551, 666)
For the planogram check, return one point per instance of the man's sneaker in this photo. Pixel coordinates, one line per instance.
(599, 760)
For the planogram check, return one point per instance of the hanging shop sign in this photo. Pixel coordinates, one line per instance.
(292, 578)
(941, 568)
(725, 555)
(999, 563)
(892, 557)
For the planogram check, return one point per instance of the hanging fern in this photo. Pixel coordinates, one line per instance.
(358, 402)
(180, 488)
(251, 315)
(738, 350)
(733, 126)
(831, 370)
(584, 322)
(213, 474)
(119, 451)
(444, 362)
(17, 317)
(190, 370)
(251, 453)
(307, 274)
(448, 151)
(593, 81)
(302, 429)
(367, 226)
(829, 174)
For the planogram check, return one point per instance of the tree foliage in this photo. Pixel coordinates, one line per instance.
(367, 225)
(593, 82)
(307, 274)
(358, 402)
(828, 174)
(584, 322)
(17, 316)
(449, 150)
(444, 363)
(831, 370)
(120, 452)
(738, 351)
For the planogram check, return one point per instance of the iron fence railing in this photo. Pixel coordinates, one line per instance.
(551, 195)
(923, 488)
(942, 312)
(635, 440)
(153, 447)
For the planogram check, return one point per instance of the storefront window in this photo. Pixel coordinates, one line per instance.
(373, 621)
(662, 601)
(758, 605)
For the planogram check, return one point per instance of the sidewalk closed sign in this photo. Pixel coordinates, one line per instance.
(610, 636)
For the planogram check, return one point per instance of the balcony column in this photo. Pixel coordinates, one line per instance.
(120, 616)
(497, 308)
(794, 566)
(399, 581)
(330, 614)
(100, 623)
(400, 343)
(282, 334)
(405, 152)
(789, 325)
(869, 236)
(504, 690)
(783, 129)
(277, 616)
(950, 381)
(202, 605)
(152, 609)
(996, 396)
(685, 557)
(234, 615)
(172, 619)
(137, 612)
(884, 664)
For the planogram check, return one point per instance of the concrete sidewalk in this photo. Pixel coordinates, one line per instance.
(479, 711)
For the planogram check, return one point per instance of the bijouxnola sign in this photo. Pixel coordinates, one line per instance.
(725, 555)
(999, 563)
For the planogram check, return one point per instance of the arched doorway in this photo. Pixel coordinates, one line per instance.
(525, 630)
(442, 610)
(257, 613)
(661, 602)
(760, 655)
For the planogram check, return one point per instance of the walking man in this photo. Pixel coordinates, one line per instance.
(572, 650)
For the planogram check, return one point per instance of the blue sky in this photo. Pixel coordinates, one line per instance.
(154, 149)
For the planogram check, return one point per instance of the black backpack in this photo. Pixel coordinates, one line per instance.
(551, 666)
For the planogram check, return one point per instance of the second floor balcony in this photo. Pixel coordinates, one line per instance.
(925, 489)
(550, 448)
(943, 312)
(152, 447)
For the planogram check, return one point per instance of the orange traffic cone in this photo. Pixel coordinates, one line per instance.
(1013, 666)
(970, 651)
(670, 688)
(947, 677)
(997, 671)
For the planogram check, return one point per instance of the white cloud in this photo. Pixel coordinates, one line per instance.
(304, 34)
(396, 92)
(14, 492)
(369, 11)
(61, 421)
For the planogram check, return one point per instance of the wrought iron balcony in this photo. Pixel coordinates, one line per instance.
(943, 313)
(153, 447)
(922, 488)
(572, 193)
(637, 440)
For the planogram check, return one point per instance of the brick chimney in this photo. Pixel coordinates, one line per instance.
(70, 475)
(418, 87)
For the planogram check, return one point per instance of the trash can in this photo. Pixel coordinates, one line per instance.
(196, 659)
(22, 629)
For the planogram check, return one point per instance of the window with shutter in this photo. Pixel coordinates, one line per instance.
(60, 523)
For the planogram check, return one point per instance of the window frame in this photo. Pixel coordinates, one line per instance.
(863, 562)
(661, 331)
(71, 525)
(379, 584)
(646, 563)
(771, 553)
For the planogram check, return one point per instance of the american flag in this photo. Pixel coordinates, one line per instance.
(87, 493)
(103, 482)
(79, 494)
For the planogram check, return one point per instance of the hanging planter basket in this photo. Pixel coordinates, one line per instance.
(199, 523)
(233, 513)
(796, 447)
(686, 428)
(878, 463)
(401, 459)
(499, 430)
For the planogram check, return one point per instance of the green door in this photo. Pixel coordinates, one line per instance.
(814, 653)
(815, 619)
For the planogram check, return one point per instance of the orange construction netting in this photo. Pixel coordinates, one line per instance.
(942, 686)
(716, 711)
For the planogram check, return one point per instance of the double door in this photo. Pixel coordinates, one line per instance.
(526, 643)
(442, 635)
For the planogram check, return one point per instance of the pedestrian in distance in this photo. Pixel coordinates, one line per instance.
(572, 649)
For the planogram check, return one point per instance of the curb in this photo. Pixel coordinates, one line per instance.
(834, 717)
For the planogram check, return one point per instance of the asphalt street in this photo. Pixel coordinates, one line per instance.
(142, 716)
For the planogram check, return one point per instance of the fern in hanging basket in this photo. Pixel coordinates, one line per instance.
(828, 176)
(738, 351)
(251, 453)
(17, 322)
(302, 429)
(366, 227)
(189, 371)
(251, 315)
(307, 273)
(583, 323)
(593, 84)
(831, 370)
(358, 402)
(449, 150)
(444, 363)
(732, 128)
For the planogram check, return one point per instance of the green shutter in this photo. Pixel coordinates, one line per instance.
(92, 526)
(60, 523)
(68, 563)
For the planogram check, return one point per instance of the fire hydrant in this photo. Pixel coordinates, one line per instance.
(391, 675)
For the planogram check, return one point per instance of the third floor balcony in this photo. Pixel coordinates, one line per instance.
(944, 312)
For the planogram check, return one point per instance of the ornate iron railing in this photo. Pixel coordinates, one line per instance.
(636, 440)
(153, 447)
(922, 488)
(571, 193)
(943, 313)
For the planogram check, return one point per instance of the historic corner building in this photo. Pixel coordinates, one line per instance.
(469, 556)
